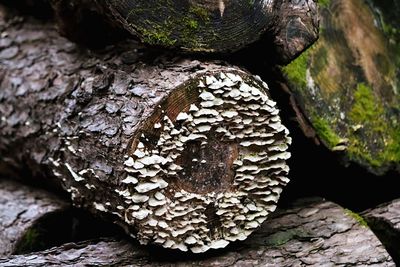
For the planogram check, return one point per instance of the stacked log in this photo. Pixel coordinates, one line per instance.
(182, 153)
(190, 154)
(312, 232)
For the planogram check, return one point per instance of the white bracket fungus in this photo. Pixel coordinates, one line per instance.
(234, 133)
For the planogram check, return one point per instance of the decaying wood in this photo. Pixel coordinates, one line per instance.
(312, 233)
(182, 153)
(347, 84)
(21, 207)
(384, 220)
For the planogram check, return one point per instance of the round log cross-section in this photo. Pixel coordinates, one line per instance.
(208, 165)
(182, 153)
(220, 25)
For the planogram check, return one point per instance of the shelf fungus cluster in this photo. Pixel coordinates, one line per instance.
(208, 172)
(183, 153)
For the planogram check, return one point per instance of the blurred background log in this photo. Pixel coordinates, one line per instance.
(347, 84)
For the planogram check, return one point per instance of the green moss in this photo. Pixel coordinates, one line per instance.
(380, 140)
(324, 3)
(393, 148)
(366, 111)
(30, 240)
(200, 12)
(190, 32)
(282, 237)
(325, 132)
(366, 107)
(357, 217)
(191, 23)
(159, 35)
(296, 71)
(391, 151)
(189, 26)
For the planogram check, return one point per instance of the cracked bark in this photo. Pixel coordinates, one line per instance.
(22, 207)
(313, 232)
(169, 148)
(384, 220)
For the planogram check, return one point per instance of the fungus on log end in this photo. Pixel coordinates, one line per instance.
(220, 25)
(21, 208)
(207, 167)
(186, 154)
(347, 84)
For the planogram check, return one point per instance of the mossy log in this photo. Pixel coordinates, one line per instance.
(311, 233)
(384, 220)
(347, 84)
(21, 208)
(284, 28)
(182, 153)
(220, 25)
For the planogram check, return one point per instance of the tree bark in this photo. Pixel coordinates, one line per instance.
(183, 153)
(347, 84)
(21, 208)
(384, 220)
(312, 232)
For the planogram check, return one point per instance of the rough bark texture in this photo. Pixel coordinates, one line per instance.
(347, 84)
(183, 153)
(312, 233)
(384, 220)
(21, 207)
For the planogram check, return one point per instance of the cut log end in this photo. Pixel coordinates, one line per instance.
(182, 153)
(220, 25)
(207, 26)
(208, 166)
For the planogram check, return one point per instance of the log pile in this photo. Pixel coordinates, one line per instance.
(124, 107)
(313, 232)
(183, 153)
